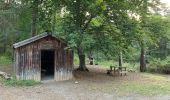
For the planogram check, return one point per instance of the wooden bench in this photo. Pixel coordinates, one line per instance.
(120, 70)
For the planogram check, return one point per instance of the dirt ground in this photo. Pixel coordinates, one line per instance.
(93, 85)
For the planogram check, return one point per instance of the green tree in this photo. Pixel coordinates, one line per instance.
(144, 32)
(77, 18)
(8, 17)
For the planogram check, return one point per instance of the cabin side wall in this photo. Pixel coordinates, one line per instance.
(28, 63)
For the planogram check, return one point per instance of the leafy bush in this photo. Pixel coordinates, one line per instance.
(15, 82)
(160, 66)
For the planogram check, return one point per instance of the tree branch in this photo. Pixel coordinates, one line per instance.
(87, 23)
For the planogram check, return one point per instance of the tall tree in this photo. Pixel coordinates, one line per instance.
(142, 56)
(8, 17)
(145, 5)
(34, 16)
(77, 18)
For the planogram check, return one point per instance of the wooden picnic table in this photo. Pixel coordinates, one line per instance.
(119, 70)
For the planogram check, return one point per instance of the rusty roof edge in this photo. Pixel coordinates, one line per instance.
(35, 38)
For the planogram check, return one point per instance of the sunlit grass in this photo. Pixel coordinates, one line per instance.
(148, 84)
(145, 88)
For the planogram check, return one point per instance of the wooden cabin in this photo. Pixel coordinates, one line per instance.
(43, 57)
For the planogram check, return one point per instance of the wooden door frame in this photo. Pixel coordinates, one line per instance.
(54, 61)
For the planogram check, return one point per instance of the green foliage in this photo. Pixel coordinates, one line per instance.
(160, 66)
(76, 59)
(8, 17)
(15, 82)
(160, 35)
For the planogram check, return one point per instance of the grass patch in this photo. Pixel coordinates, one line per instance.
(129, 66)
(145, 84)
(4, 60)
(107, 64)
(145, 88)
(148, 84)
(15, 82)
(156, 77)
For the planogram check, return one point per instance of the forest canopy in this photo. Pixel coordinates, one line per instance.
(129, 30)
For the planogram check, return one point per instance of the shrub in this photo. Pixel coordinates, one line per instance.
(159, 66)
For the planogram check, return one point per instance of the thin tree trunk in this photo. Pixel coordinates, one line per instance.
(34, 17)
(120, 59)
(142, 60)
(82, 65)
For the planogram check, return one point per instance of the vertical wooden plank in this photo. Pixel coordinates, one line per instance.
(39, 62)
(17, 64)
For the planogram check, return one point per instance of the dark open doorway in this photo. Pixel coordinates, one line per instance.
(47, 64)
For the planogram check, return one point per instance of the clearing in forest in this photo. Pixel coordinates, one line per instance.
(95, 85)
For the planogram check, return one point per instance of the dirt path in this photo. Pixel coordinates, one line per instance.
(93, 85)
(28, 93)
(66, 91)
(7, 68)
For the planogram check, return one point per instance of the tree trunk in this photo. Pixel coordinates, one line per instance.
(120, 59)
(34, 17)
(142, 60)
(82, 65)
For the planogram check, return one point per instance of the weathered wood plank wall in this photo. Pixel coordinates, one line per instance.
(64, 66)
(28, 63)
(28, 60)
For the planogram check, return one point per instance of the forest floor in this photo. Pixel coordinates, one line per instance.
(95, 85)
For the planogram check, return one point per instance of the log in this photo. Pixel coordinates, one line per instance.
(5, 75)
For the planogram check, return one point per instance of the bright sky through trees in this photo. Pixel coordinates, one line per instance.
(167, 2)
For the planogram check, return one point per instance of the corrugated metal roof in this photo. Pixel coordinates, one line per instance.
(35, 38)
